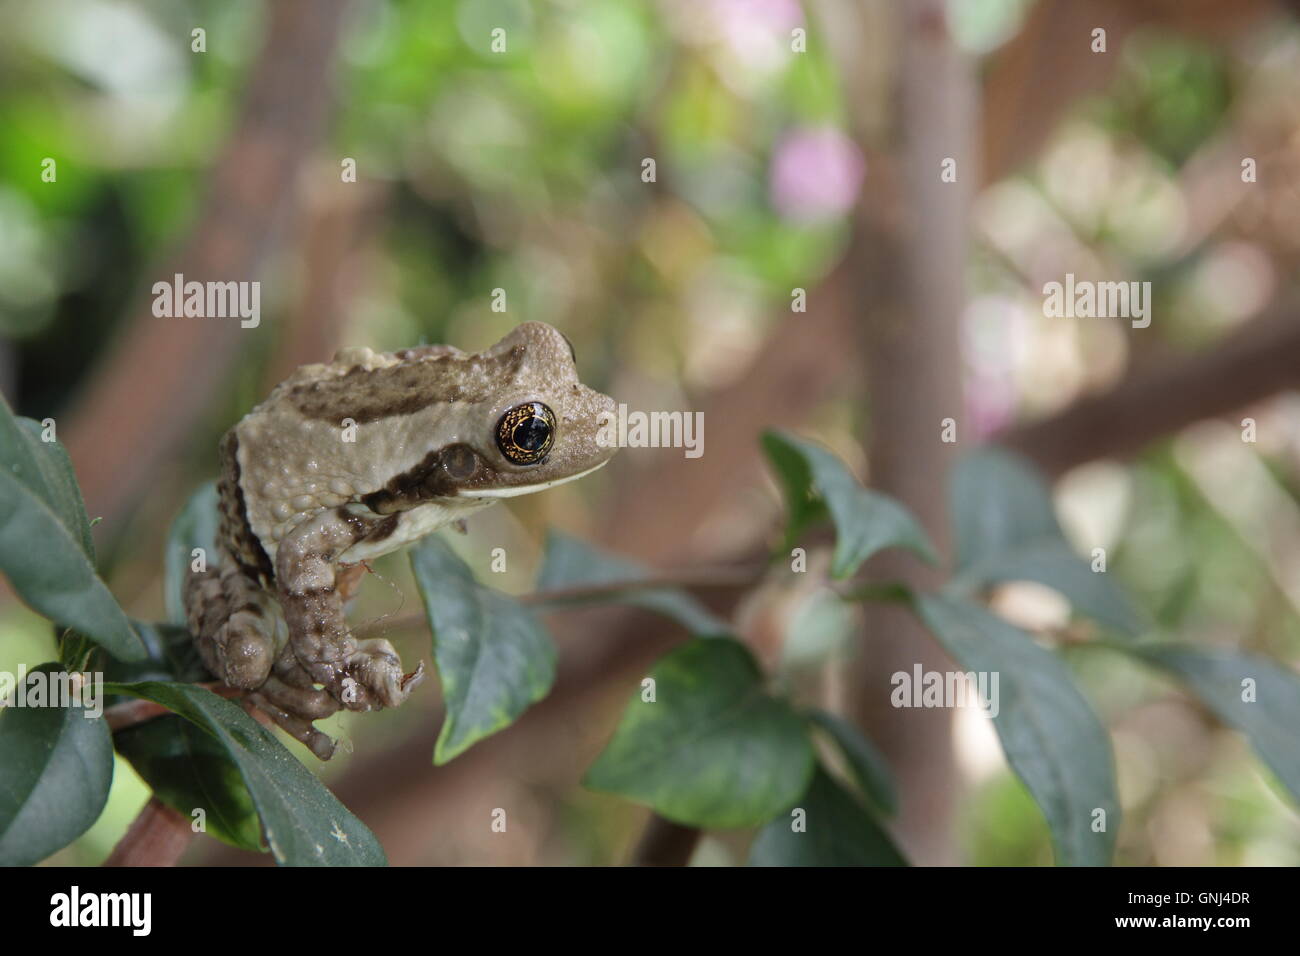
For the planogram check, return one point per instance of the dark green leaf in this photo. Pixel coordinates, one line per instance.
(493, 656)
(1271, 721)
(1006, 530)
(865, 521)
(569, 562)
(1051, 737)
(804, 504)
(56, 767)
(304, 824)
(188, 768)
(838, 832)
(170, 655)
(74, 650)
(194, 527)
(867, 764)
(56, 481)
(713, 749)
(998, 504)
(45, 539)
(185, 766)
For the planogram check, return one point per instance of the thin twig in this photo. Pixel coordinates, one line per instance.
(690, 579)
(741, 576)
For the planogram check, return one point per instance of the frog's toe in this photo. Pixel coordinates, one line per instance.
(305, 702)
(294, 709)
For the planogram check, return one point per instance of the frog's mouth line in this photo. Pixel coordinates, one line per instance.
(516, 490)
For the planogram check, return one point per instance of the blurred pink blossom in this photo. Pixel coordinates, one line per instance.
(816, 174)
(990, 405)
(991, 326)
(769, 15)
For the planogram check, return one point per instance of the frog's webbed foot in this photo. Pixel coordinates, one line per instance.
(361, 675)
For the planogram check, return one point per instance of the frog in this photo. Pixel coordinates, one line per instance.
(356, 458)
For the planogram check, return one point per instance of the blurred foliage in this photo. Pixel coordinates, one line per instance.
(522, 170)
(483, 154)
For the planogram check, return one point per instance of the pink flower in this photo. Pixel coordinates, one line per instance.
(816, 174)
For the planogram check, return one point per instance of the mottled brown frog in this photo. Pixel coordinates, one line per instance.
(355, 459)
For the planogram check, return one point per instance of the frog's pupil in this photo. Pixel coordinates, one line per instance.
(532, 434)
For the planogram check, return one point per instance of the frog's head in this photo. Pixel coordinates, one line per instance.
(536, 425)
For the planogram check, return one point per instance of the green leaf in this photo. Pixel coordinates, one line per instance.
(713, 749)
(195, 526)
(815, 481)
(57, 769)
(493, 656)
(1053, 740)
(188, 768)
(839, 832)
(1006, 530)
(45, 546)
(569, 562)
(304, 824)
(56, 482)
(184, 766)
(867, 764)
(1271, 721)
(998, 504)
(170, 655)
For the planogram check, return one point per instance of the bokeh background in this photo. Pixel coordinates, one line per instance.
(776, 170)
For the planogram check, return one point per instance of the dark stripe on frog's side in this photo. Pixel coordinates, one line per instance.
(424, 482)
(367, 396)
(235, 533)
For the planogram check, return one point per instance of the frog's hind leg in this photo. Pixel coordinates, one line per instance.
(232, 619)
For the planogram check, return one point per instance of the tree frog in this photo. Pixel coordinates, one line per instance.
(353, 459)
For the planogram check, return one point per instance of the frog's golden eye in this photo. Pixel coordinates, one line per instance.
(525, 433)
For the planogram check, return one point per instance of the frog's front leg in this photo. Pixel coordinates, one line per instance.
(361, 675)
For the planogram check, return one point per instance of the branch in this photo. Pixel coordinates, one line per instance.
(158, 837)
(1247, 366)
(665, 843)
(117, 436)
(740, 576)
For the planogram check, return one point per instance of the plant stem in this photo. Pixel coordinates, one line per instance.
(694, 578)
(665, 843)
(158, 837)
(132, 712)
(740, 576)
